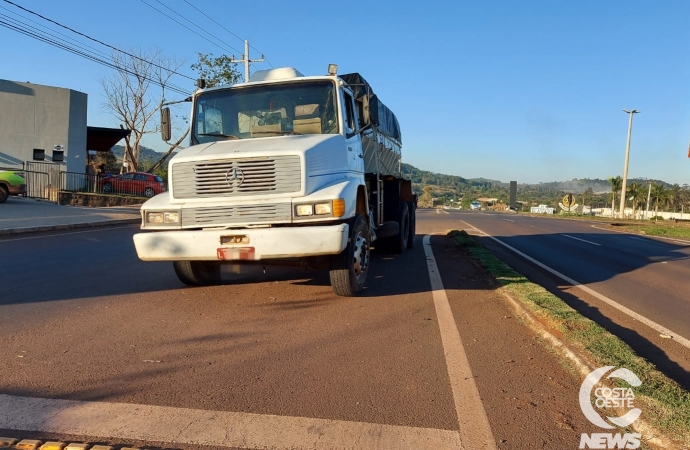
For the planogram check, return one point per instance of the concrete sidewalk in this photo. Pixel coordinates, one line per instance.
(25, 215)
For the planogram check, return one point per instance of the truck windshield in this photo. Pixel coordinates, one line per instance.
(265, 110)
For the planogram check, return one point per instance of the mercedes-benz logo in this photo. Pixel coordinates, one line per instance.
(234, 175)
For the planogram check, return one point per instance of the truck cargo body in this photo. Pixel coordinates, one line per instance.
(286, 170)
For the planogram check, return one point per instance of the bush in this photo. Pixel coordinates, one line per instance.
(655, 218)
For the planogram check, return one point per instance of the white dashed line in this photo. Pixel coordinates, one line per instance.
(578, 239)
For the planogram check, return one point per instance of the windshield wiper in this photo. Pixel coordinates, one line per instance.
(282, 133)
(230, 136)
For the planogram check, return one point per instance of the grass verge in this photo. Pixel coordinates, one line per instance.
(657, 229)
(666, 404)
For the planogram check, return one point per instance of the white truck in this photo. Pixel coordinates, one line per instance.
(285, 169)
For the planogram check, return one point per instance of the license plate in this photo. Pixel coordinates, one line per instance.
(235, 253)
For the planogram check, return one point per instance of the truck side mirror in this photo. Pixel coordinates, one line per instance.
(166, 131)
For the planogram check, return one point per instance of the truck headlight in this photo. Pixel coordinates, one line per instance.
(330, 208)
(322, 208)
(304, 210)
(163, 217)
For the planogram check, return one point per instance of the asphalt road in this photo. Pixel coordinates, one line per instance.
(644, 274)
(276, 355)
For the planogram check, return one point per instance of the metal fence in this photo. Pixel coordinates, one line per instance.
(37, 183)
(45, 180)
(98, 184)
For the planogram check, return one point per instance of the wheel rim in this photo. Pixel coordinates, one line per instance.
(107, 187)
(360, 256)
(149, 192)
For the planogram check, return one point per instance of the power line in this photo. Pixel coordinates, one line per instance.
(223, 27)
(181, 24)
(79, 44)
(71, 49)
(198, 26)
(96, 40)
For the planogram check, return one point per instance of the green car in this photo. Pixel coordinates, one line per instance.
(11, 183)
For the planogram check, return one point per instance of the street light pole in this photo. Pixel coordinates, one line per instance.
(625, 168)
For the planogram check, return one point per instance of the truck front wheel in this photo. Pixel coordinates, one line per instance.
(349, 268)
(197, 273)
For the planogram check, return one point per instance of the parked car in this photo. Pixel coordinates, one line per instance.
(136, 183)
(476, 206)
(11, 183)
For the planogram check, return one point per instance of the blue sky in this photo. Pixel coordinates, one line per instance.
(510, 90)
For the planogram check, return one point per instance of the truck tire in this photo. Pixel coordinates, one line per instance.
(197, 273)
(402, 241)
(349, 268)
(413, 224)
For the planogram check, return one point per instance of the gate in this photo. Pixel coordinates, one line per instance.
(43, 179)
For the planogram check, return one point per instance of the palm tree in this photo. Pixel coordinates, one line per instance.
(616, 186)
(636, 193)
(674, 197)
(659, 194)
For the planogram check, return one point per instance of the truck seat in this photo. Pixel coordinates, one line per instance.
(307, 119)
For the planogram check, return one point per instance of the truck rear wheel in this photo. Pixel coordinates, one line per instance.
(197, 273)
(413, 224)
(401, 242)
(349, 268)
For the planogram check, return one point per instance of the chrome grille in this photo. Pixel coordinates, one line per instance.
(236, 177)
(230, 215)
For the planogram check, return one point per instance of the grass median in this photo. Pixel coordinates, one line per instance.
(666, 404)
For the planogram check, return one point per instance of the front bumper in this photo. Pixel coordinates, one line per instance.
(264, 243)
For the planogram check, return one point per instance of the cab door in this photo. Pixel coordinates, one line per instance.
(353, 141)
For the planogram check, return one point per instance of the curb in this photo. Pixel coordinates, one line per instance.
(71, 226)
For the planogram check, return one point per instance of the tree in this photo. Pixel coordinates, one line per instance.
(658, 194)
(616, 186)
(217, 71)
(129, 98)
(106, 159)
(636, 192)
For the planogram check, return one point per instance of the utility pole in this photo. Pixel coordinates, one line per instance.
(625, 167)
(649, 196)
(246, 61)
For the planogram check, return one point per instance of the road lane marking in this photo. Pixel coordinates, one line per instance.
(573, 237)
(649, 237)
(640, 318)
(211, 428)
(475, 432)
(509, 220)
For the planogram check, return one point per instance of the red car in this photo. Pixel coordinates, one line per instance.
(136, 183)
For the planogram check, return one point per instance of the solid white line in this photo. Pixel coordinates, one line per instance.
(445, 212)
(509, 220)
(475, 432)
(57, 233)
(573, 237)
(653, 325)
(211, 428)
